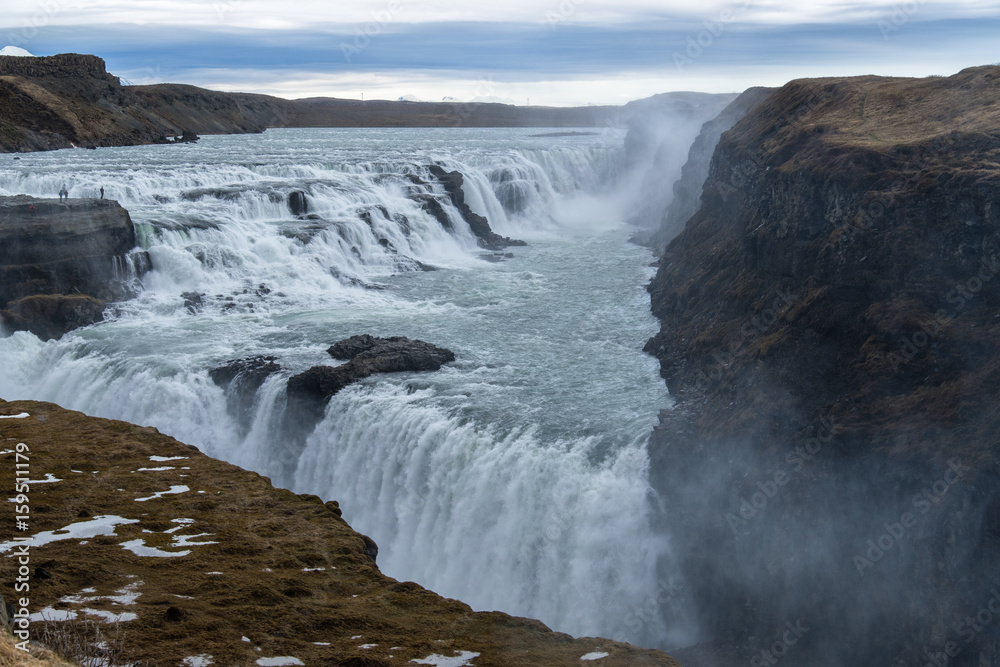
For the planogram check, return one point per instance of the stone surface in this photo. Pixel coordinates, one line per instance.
(308, 392)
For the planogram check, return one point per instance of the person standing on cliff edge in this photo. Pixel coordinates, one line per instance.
(102, 192)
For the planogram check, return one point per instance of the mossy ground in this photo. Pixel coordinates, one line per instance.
(293, 577)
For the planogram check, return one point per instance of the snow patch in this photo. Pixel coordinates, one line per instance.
(49, 478)
(160, 469)
(460, 660)
(596, 655)
(161, 459)
(159, 494)
(139, 548)
(279, 661)
(197, 661)
(50, 614)
(23, 415)
(99, 525)
(20, 53)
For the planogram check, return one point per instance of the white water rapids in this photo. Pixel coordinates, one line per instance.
(513, 479)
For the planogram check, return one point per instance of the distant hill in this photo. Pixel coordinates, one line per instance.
(71, 100)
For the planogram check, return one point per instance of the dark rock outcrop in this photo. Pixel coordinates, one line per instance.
(452, 182)
(49, 316)
(367, 355)
(298, 204)
(241, 379)
(829, 332)
(76, 248)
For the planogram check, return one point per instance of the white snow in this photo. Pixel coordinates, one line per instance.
(161, 459)
(127, 595)
(50, 614)
(596, 655)
(280, 661)
(10, 451)
(139, 548)
(213, 573)
(99, 525)
(322, 643)
(460, 660)
(110, 616)
(49, 478)
(203, 660)
(159, 494)
(23, 415)
(160, 469)
(246, 639)
(185, 540)
(21, 53)
(314, 569)
(367, 646)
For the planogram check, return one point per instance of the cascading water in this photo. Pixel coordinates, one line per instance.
(514, 478)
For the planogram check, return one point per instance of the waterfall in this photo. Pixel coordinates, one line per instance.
(513, 479)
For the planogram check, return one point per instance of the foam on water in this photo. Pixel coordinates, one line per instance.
(513, 479)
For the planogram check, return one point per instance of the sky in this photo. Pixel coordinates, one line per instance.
(542, 52)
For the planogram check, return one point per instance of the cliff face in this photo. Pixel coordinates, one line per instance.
(65, 100)
(660, 131)
(198, 558)
(60, 262)
(686, 195)
(829, 331)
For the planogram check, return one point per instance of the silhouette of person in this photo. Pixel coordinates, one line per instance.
(102, 192)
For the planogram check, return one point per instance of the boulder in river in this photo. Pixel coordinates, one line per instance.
(365, 355)
(298, 204)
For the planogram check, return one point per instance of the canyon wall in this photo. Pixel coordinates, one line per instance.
(830, 326)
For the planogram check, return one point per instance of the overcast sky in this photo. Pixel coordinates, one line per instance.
(555, 52)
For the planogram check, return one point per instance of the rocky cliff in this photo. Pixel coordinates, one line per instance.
(830, 319)
(685, 199)
(62, 261)
(200, 562)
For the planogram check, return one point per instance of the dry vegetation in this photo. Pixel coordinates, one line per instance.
(282, 570)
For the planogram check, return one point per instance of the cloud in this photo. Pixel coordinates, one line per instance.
(640, 48)
(312, 14)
